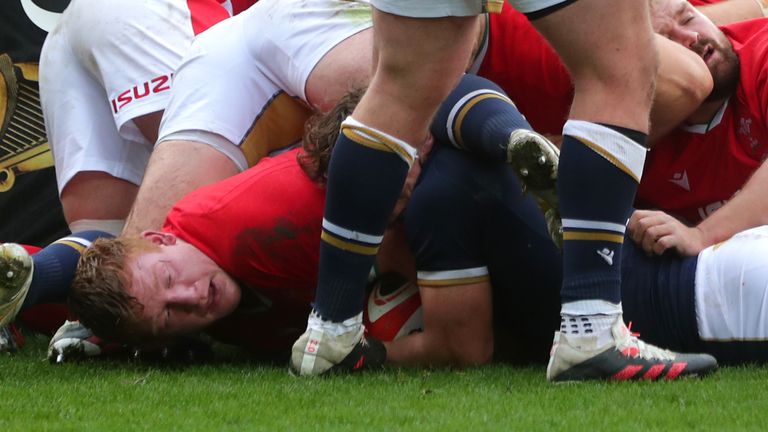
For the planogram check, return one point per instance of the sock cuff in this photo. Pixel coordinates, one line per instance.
(591, 307)
(617, 148)
(368, 136)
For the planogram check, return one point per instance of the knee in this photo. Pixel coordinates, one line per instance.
(97, 195)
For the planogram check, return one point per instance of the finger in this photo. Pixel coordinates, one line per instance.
(653, 234)
(664, 243)
(643, 221)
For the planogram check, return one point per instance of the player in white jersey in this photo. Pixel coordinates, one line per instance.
(246, 88)
(105, 78)
(236, 96)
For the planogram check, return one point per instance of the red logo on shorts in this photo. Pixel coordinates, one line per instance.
(153, 86)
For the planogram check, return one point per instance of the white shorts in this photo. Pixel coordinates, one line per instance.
(443, 8)
(732, 288)
(243, 79)
(106, 64)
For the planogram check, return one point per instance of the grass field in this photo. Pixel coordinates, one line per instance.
(120, 395)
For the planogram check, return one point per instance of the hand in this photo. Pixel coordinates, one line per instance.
(412, 178)
(655, 232)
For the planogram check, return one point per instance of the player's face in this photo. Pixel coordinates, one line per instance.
(679, 21)
(181, 289)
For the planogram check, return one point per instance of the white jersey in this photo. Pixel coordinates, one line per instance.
(243, 81)
(732, 288)
(105, 64)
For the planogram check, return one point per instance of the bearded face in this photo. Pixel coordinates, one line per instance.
(680, 22)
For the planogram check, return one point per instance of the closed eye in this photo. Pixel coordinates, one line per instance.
(167, 277)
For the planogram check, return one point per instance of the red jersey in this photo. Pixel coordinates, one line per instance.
(522, 62)
(693, 172)
(251, 226)
(529, 70)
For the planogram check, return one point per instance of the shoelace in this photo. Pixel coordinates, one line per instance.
(645, 350)
(631, 333)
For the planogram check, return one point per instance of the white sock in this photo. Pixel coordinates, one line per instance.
(589, 321)
(334, 328)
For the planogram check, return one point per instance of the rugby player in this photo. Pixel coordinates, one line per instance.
(257, 111)
(680, 179)
(272, 251)
(105, 77)
(610, 53)
(710, 172)
(214, 153)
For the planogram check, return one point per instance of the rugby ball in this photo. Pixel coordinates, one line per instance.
(393, 309)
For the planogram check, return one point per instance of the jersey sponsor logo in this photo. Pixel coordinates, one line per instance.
(606, 254)
(42, 18)
(681, 179)
(156, 85)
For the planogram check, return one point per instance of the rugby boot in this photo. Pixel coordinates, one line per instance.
(321, 350)
(16, 268)
(534, 159)
(623, 358)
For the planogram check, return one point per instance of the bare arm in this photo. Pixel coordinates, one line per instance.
(458, 329)
(682, 85)
(656, 231)
(175, 169)
(747, 209)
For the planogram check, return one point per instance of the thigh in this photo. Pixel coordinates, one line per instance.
(297, 34)
(606, 46)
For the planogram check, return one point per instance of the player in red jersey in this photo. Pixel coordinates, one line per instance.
(196, 274)
(710, 173)
(667, 179)
(186, 289)
(500, 24)
(531, 73)
(257, 109)
(535, 78)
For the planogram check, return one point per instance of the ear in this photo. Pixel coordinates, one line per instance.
(159, 237)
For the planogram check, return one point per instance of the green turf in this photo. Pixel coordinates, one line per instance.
(118, 395)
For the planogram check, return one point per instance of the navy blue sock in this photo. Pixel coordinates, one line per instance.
(596, 192)
(55, 268)
(364, 182)
(478, 116)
